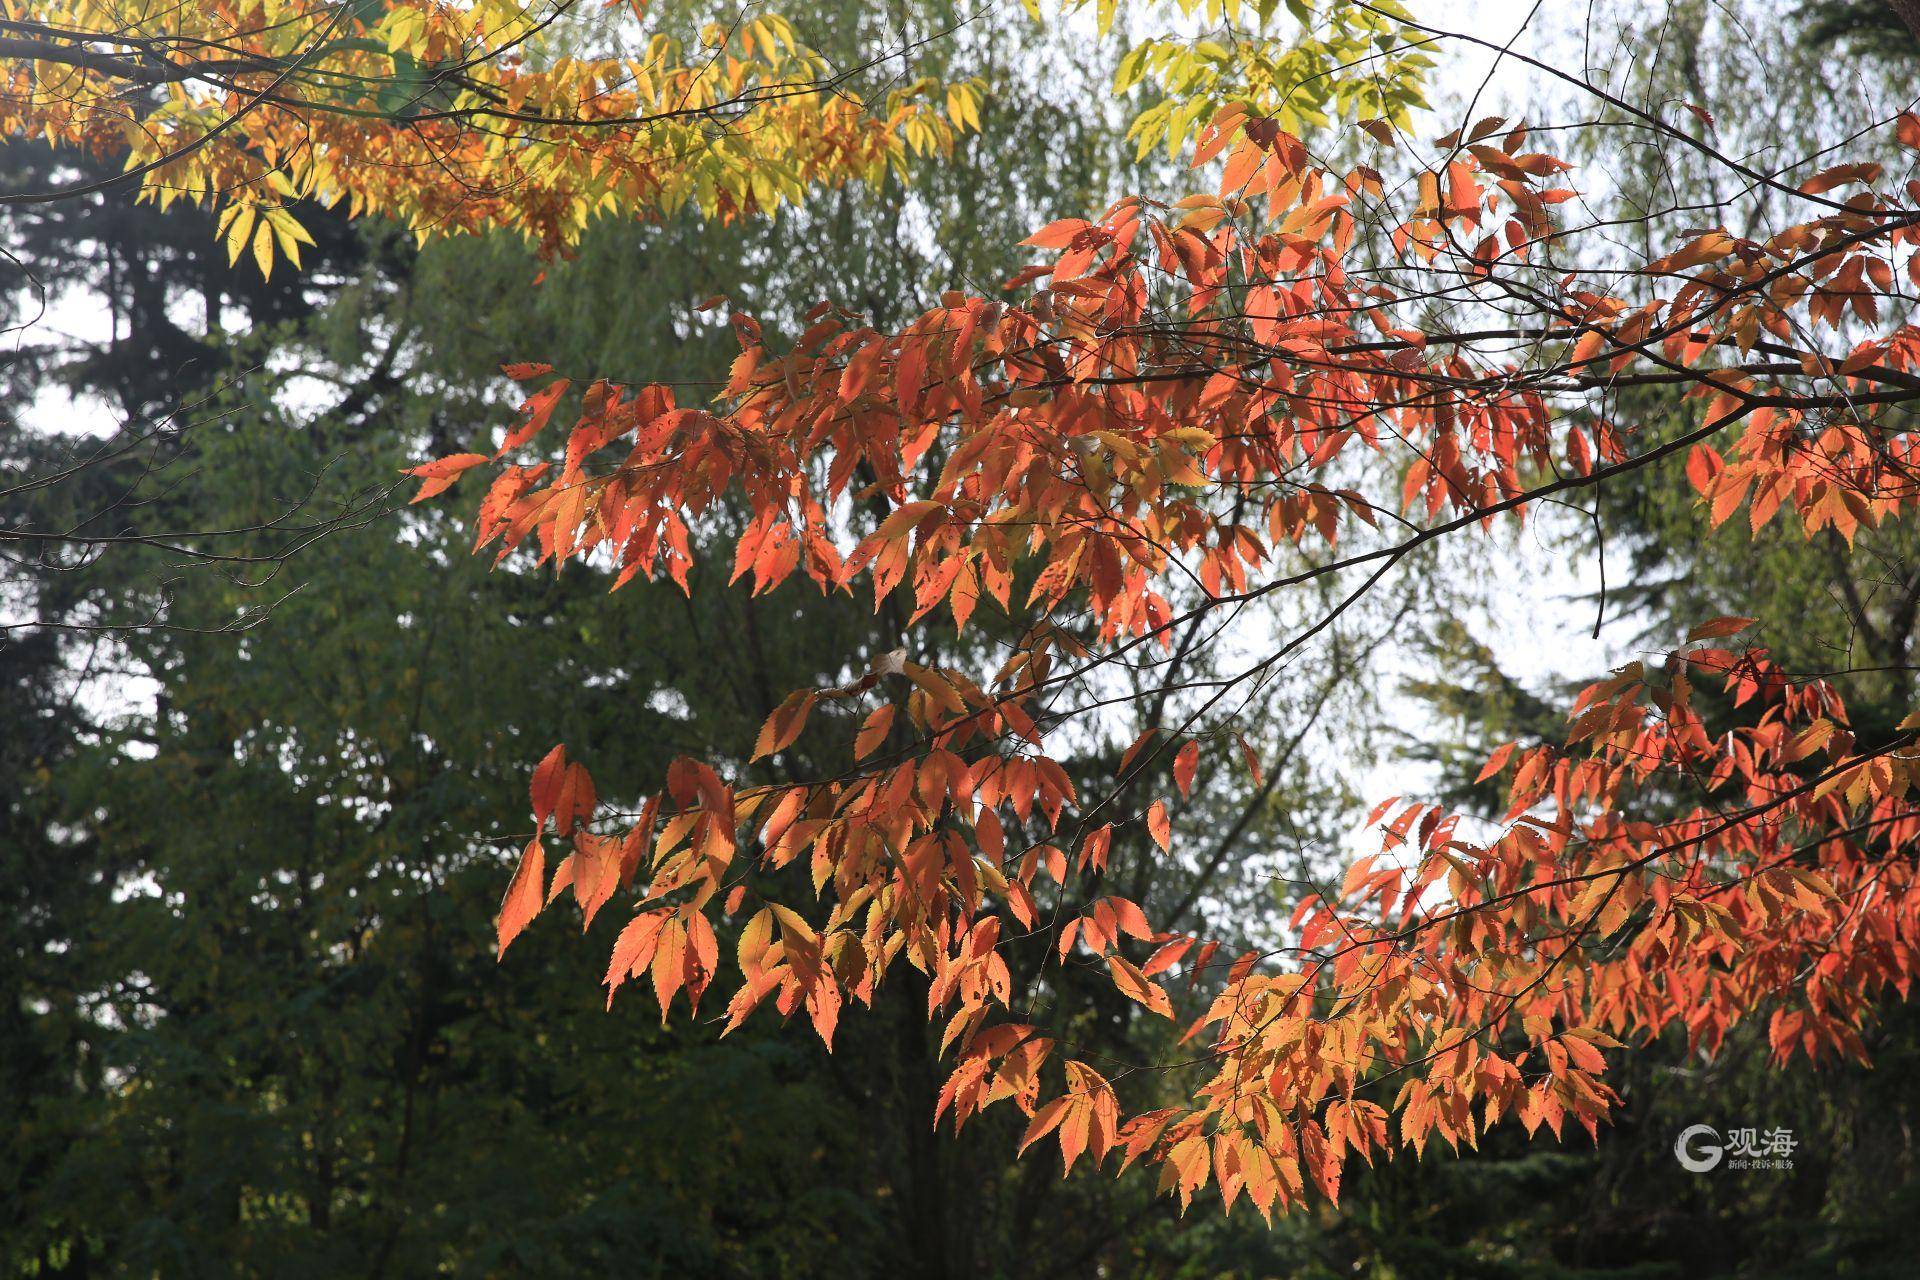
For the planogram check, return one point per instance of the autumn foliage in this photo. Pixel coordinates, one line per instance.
(1182, 390)
(1200, 391)
(451, 118)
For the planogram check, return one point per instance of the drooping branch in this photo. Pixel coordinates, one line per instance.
(1190, 393)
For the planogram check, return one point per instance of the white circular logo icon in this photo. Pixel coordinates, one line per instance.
(1708, 1153)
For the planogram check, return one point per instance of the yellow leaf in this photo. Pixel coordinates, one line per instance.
(263, 249)
(238, 230)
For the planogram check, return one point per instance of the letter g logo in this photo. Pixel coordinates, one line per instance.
(1709, 1152)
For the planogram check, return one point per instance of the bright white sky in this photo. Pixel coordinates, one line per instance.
(1536, 617)
(1538, 628)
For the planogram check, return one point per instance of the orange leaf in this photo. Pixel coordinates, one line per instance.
(904, 518)
(1184, 765)
(1057, 235)
(1135, 986)
(1252, 761)
(1126, 757)
(1715, 627)
(576, 799)
(784, 725)
(1587, 347)
(440, 474)
(523, 897)
(1703, 464)
(1496, 762)
(873, 731)
(1166, 957)
(546, 783)
(634, 948)
(1132, 920)
(535, 413)
(1045, 1121)
(1159, 826)
(823, 1009)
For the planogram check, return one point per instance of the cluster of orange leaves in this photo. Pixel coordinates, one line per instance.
(1168, 356)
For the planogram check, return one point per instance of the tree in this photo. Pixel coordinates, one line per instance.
(1096, 438)
(1109, 469)
(299, 1090)
(448, 118)
(282, 120)
(360, 932)
(1623, 1205)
